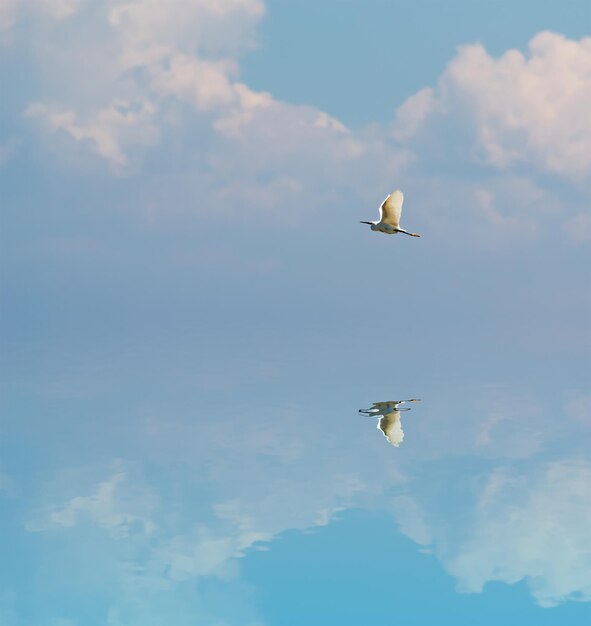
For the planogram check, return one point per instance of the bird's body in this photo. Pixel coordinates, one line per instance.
(391, 426)
(390, 211)
(389, 418)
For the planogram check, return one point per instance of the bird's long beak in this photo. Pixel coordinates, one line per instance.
(370, 223)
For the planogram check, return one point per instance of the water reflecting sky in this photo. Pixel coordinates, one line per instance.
(193, 315)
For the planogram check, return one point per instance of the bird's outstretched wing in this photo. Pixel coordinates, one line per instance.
(391, 426)
(392, 208)
(390, 405)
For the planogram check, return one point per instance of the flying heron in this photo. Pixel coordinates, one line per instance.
(390, 211)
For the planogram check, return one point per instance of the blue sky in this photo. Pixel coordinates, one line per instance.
(192, 314)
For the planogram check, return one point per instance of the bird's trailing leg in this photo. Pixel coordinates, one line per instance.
(399, 230)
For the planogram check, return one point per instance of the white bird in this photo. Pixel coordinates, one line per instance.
(390, 211)
(389, 422)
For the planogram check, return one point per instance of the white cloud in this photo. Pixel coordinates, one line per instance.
(177, 538)
(187, 48)
(202, 552)
(107, 130)
(205, 84)
(410, 520)
(150, 540)
(108, 507)
(110, 80)
(532, 526)
(151, 30)
(521, 108)
(167, 66)
(412, 114)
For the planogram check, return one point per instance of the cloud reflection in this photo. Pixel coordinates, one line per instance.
(151, 530)
(530, 524)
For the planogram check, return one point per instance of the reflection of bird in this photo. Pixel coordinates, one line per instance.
(390, 216)
(389, 422)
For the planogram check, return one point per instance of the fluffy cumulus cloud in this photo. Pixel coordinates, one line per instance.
(137, 77)
(521, 108)
(135, 72)
(151, 54)
(186, 48)
(166, 71)
(126, 79)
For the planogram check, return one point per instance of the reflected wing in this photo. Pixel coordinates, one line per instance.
(391, 426)
(390, 405)
(391, 209)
